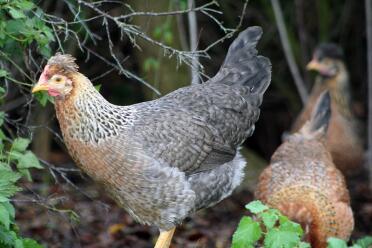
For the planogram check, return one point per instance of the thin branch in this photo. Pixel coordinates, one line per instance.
(288, 52)
(191, 9)
(193, 31)
(368, 8)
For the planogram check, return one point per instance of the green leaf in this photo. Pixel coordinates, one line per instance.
(304, 245)
(276, 238)
(6, 237)
(25, 5)
(20, 144)
(26, 173)
(30, 243)
(365, 242)
(150, 63)
(29, 160)
(4, 216)
(256, 207)
(2, 118)
(290, 226)
(7, 183)
(9, 207)
(270, 217)
(15, 26)
(2, 91)
(3, 73)
(16, 14)
(98, 87)
(168, 37)
(247, 233)
(336, 243)
(18, 243)
(43, 97)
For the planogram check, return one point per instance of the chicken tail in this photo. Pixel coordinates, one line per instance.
(319, 216)
(243, 66)
(322, 113)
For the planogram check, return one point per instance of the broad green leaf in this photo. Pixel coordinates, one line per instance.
(15, 155)
(336, 243)
(247, 233)
(3, 73)
(26, 173)
(290, 226)
(256, 207)
(20, 144)
(4, 199)
(28, 160)
(15, 26)
(16, 14)
(276, 238)
(270, 217)
(4, 216)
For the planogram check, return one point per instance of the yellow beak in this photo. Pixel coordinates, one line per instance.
(39, 87)
(313, 65)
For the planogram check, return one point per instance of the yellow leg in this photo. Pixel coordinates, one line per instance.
(165, 239)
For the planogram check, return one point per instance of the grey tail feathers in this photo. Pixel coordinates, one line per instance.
(243, 66)
(321, 113)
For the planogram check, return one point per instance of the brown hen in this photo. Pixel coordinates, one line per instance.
(343, 137)
(304, 184)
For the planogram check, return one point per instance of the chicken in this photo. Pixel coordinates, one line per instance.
(164, 159)
(343, 138)
(305, 185)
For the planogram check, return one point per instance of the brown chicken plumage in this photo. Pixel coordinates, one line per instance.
(343, 137)
(304, 184)
(164, 159)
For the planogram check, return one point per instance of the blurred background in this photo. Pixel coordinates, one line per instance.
(128, 57)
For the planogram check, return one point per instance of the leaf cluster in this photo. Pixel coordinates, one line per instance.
(15, 162)
(270, 229)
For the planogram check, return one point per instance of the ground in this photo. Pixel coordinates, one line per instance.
(102, 224)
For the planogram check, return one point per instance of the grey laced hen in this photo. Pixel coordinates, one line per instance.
(162, 160)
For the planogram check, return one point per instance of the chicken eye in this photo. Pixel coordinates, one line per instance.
(58, 79)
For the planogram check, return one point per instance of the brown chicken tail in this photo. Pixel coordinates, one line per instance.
(319, 217)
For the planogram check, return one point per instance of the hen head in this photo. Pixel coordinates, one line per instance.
(327, 60)
(56, 78)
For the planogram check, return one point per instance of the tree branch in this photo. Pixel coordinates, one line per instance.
(288, 52)
(193, 32)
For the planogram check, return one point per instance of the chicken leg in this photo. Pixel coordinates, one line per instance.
(165, 239)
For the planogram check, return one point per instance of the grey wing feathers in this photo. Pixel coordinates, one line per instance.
(200, 127)
(242, 64)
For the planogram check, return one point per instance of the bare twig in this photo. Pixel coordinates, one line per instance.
(193, 31)
(288, 52)
(368, 8)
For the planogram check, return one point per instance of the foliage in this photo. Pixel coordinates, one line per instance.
(269, 226)
(20, 28)
(274, 230)
(15, 161)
